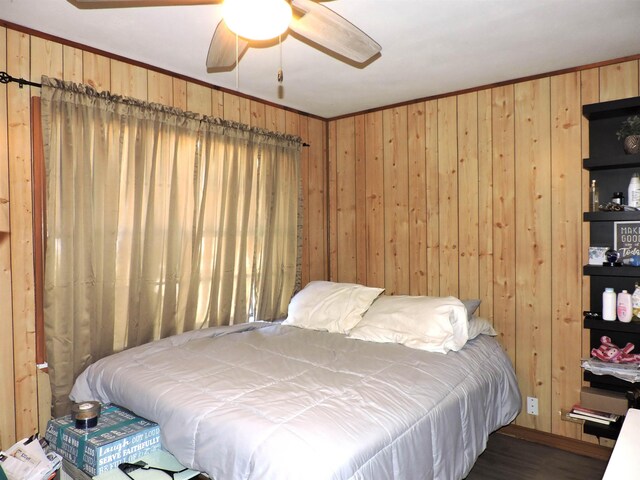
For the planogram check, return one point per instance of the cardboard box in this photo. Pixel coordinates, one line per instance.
(604, 400)
(120, 436)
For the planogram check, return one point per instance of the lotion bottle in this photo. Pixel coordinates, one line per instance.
(609, 304)
(625, 311)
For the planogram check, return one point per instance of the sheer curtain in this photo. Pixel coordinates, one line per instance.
(158, 221)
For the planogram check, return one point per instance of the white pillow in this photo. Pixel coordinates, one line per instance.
(334, 307)
(480, 326)
(435, 324)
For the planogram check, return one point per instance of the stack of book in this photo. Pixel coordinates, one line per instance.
(592, 415)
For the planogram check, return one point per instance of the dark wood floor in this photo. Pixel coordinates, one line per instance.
(510, 458)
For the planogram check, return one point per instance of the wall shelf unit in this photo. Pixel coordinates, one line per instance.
(612, 170)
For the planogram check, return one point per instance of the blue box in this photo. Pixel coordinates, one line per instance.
(120, 436)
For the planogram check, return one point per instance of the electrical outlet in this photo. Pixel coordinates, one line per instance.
(532, 405)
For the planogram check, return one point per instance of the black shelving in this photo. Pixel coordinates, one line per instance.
(613, 108)
(622, 271)
(611, 169)
(615, 326)
(611, 161)
(610, 216)
(604, 431)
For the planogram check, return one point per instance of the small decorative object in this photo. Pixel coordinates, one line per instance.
(597, 255)
(630, 132)
(626, 237)
(618, 197)
(612, 257)
(610, 352)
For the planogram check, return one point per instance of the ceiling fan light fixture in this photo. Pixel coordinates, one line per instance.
(257, 19)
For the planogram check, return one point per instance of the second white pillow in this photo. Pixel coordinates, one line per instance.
(435, 324)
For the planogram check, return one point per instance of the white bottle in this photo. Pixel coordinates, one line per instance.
(635, 301)
(634, 191)
(624, 307)
(608, 304)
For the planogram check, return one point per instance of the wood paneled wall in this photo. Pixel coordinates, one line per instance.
(28, 56)
(480, 195)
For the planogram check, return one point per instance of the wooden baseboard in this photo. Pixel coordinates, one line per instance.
(557, 441)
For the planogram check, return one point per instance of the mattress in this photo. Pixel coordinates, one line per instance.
(264, 401)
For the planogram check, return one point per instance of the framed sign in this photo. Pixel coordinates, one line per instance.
(626, 238)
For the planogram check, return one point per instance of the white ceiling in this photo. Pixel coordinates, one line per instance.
(429, 47)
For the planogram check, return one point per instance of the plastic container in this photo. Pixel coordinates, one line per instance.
(609, 304)
(635, 302)
(634, 191)
(625, 311)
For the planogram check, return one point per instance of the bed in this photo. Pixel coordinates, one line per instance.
(274, 401)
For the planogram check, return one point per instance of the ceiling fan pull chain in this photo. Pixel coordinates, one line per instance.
(280, 74)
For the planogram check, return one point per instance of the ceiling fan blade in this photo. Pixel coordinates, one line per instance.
(136, 3)
(325, 27)
(222, 51)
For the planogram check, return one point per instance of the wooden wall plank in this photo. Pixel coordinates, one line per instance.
(275, 119)
(590, 93)
(468, 182)
(217, 103)
(198, 99)
(346, 200)
(46, 59)
(23, 300)
(374, 185)
(533, 247)
(231, 107)
(72, 64)
(96, 71)
(396, 200)
(332, 185)
(485, 204)
(360, 198)
(432, 197)
(7, 384)
(245, 111)
(160, 88)
(448, 195)
(128, 80)
(566, 238)
(504, 217)
(417, 198)
(619, 80)
(317, 202)
(257, 114)
(179, 95)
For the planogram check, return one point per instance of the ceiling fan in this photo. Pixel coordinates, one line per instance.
(307, 20)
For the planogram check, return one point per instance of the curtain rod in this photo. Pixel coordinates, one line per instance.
(6, 78)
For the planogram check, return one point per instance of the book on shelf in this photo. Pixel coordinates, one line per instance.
(588, 418)
(593, 415)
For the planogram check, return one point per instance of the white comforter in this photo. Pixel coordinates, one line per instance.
(260, 401)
